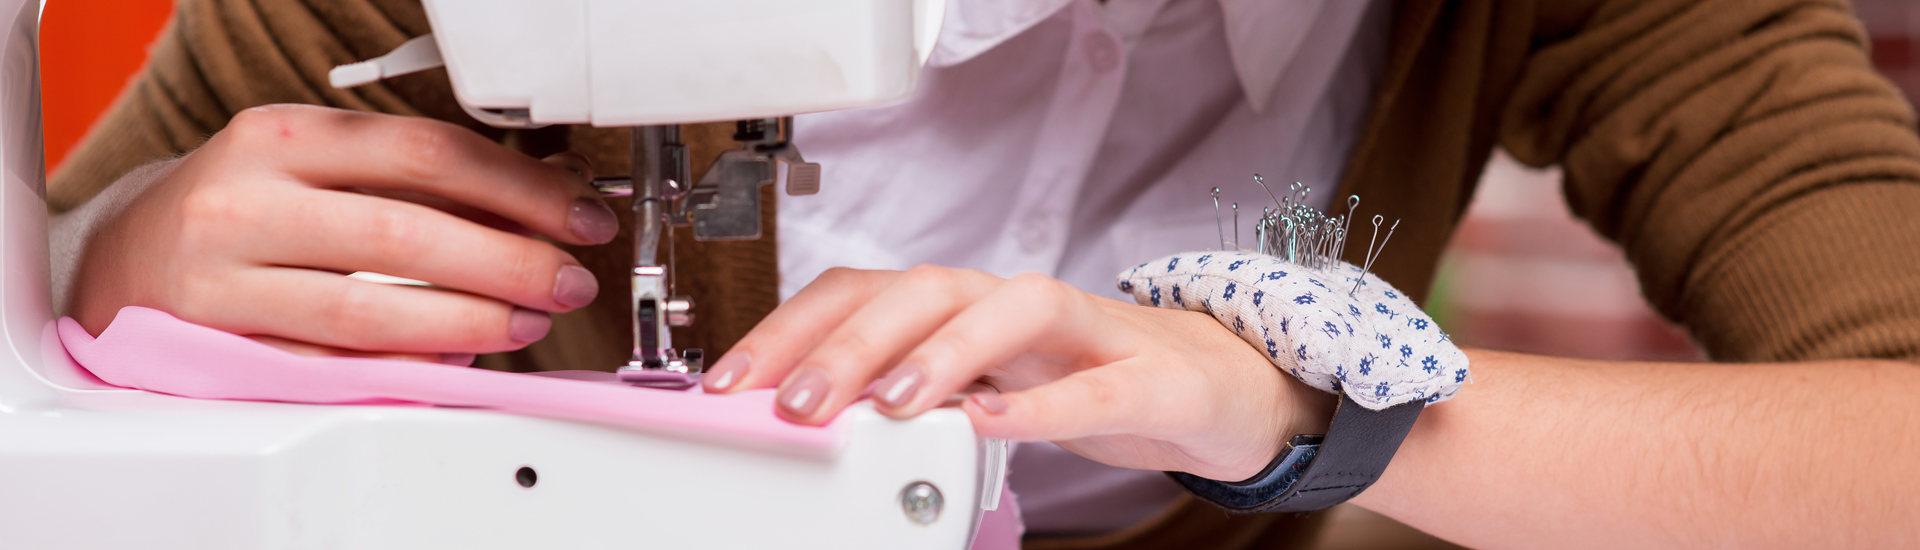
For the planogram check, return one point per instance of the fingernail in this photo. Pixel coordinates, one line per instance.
(575, 286)
(804, 392)
(457, 359)
(728, 370)
(990, 402)
(592, 221)
(573, 162)
(526, 325)
(900, 385)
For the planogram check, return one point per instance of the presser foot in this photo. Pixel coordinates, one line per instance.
(676, 373)
(658, 378)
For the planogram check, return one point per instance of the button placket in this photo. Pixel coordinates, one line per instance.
(1038, 232)
(1091, 75)
(1102, 51)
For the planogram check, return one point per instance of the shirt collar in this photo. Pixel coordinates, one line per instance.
(1262, 35)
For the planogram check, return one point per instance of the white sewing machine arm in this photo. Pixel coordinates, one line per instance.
(83, 465)
(611, 63)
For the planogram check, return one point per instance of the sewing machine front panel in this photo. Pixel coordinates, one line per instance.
(167, 472)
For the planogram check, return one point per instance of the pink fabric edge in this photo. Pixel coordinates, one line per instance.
(150, 350)
(1001, 527)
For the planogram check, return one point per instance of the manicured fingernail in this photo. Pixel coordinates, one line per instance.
(592, 221)
(575, 286)
(526, 325)
(572, 162)
(990, 402)
(804, 392)
(900, 385)
(457, 359)
(727, 371)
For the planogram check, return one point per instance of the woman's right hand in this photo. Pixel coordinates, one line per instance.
(253, 232)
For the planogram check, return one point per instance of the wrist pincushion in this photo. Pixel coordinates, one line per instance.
(1373, 343)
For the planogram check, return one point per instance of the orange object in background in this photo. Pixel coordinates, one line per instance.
(88, 51)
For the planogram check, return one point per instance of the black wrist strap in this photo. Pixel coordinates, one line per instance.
(1316, 472)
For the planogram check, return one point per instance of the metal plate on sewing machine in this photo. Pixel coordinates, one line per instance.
(658, 378)
(725, 205)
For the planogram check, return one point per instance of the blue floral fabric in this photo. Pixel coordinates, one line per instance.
(1375, 344)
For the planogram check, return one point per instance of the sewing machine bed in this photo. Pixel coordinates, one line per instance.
(622, 467)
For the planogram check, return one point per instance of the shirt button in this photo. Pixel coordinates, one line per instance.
(1035, 233)
(1102, 52)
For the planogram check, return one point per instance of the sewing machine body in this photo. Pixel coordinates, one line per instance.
(126, 469)
(636, 63)
(85, 465)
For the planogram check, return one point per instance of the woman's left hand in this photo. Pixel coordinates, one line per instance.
(1126, 385)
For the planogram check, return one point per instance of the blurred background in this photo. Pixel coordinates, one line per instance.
(1523, 274)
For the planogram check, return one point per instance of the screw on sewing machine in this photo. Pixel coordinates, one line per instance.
(921, 501)
(613, 186)
(526, 477)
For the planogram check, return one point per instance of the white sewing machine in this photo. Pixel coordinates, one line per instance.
(85, 465)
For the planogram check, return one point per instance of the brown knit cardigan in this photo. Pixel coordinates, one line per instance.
(1762, 179)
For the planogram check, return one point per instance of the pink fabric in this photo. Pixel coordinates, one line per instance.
(150, 350)
(1002, 527)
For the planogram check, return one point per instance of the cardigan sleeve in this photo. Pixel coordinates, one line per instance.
(1762, 178)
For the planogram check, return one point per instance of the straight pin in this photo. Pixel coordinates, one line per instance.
(1263, 187)
(1371, 253)
(1304, 235)
(1216, 219)
(1353, 202)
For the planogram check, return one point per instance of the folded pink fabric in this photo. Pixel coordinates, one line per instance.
(151, 350)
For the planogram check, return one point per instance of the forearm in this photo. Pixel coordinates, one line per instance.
(1544, 452)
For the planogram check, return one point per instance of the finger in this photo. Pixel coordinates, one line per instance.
(332, 310)
(1092, 402)
(899, 317)
(316, 350)
(1131, 415)
(339, 149)
(571, 161)
(762, 357)
(484, 218)
(1029, 314)
(416, 242)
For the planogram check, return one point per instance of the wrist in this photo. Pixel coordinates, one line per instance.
(1298, 409)
(1306, 410)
